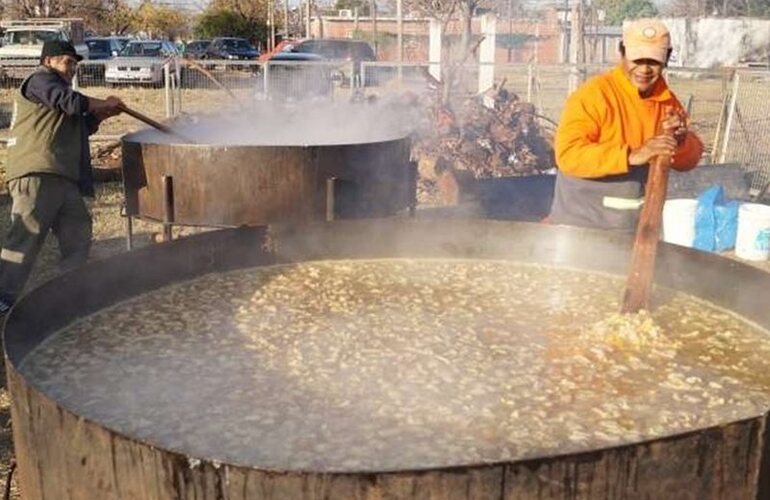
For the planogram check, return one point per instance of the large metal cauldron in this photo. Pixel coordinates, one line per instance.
(63, 456)
(230, 185)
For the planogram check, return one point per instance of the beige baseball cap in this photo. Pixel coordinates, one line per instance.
(646, 39)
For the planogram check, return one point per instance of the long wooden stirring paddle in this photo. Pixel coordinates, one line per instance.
(641, 273)
(149, 121)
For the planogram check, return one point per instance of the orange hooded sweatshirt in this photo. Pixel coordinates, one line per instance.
(605, 118)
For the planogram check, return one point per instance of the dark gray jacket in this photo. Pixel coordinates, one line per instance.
(50, 129)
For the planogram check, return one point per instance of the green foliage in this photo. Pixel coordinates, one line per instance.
(226, 22)
(157, 20)
(619, 10)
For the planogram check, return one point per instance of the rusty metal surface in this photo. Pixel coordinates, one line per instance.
(237, 185)
(729, 461)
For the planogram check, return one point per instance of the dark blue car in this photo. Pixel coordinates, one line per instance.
(105, 47)
(232, 49)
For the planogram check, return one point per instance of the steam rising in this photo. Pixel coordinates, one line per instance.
(301, 124)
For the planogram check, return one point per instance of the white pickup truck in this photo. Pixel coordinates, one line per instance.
(23, 42)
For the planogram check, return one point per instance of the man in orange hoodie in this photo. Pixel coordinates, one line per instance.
(610, 130)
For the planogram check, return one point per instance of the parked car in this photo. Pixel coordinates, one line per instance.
(231, 48)
(105, 47)
(334, 49)
(140, 61)
(300, 76)
(285, 45)
(100, 49)
(196, 49)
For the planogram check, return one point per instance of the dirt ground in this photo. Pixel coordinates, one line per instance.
(109, 239)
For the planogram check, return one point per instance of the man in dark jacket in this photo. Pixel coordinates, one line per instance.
(49, 167)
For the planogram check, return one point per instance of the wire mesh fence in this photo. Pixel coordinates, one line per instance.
(306, 81)
(547, 86)
(746, 125)
(102, 78)
(206, 86)
(15, 70)
(388, 77)
(730, 109)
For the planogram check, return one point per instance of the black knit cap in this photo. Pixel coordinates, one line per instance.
(53, 48)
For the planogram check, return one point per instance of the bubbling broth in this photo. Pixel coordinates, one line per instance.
(402, 363)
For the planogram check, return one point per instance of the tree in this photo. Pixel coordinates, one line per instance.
(159, 21)
(446, 10)
(119, 18)
(105, 16)
(248, 16)
(225, 22)
(39, 8)
(616, 11)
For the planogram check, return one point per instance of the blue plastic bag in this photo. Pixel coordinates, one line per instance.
(716, 221)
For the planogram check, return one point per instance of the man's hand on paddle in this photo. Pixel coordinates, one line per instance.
(673, 130)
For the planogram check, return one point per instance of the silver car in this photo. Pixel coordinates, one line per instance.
(141, 61)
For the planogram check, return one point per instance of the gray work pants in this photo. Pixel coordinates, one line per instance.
(42, 203)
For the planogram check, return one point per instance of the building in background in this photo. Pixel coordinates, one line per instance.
(543, 39)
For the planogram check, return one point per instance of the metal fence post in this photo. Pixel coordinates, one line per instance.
(530, 82)
(716, 143)
(688, 104)
(167, 89)
(577, 75)
(178, 67)
(730, 116)
(174, 84)
(266, 80)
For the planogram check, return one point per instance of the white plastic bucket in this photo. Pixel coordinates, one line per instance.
(679, 221)
(753, 242)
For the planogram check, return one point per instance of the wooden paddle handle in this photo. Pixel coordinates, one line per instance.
(146, 119)
(149, 121)
(640, 276)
